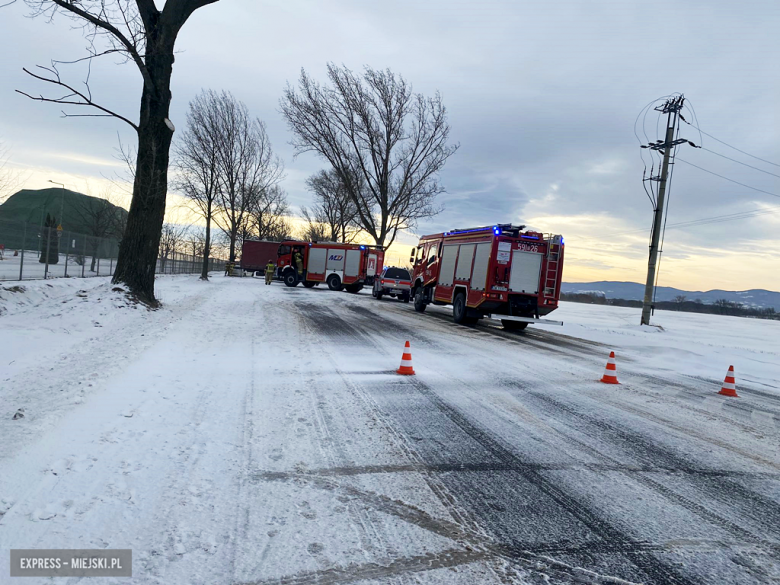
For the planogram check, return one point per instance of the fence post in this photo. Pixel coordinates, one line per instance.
(67, 254)
(48, 244)
(84, 257)
(24, 245)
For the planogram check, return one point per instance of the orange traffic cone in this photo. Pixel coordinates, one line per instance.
(406, 368)
(729, 388)
(610, 372)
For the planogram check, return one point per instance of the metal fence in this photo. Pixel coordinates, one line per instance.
(29, 251)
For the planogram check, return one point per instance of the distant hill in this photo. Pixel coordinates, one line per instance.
(31, 205)
(758, 298)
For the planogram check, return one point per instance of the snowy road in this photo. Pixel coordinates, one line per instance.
(247, 434)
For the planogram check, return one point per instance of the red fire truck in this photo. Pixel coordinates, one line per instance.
(255, 255)
(340, 266)
(495, 271)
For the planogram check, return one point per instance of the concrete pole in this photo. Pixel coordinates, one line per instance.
(659, 212)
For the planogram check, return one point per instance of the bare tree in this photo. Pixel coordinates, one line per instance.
(315, 229)
(195, 241)
(197, 161)
(100, 219)
(9, 179)
(248, 169)
(267, 215)
(172, 239)
(373, 128)
(138, 32)
(333, 209)
(220, 245)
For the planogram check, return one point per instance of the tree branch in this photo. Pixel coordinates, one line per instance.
(87, 101)
(110, 28)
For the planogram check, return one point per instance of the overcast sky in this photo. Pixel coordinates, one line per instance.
(542, 97)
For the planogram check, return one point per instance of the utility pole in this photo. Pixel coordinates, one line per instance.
(671, 108)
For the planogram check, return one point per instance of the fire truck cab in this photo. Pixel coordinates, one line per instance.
(340, 266)
(495, 271)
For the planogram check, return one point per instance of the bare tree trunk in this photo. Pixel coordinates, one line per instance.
(204, 273)
(137, 257)
(233, 238)
(94, 250)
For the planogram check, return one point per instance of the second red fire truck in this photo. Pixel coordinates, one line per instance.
(498, 271)
(340, 266)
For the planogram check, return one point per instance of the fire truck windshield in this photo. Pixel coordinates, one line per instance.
(283, 249)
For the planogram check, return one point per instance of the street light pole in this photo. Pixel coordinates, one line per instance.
(62, 197)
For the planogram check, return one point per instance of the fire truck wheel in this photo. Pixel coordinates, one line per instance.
(309, 283)
(334, 282)
(514, 325)
(460, 311)
(419, 303)
(290, 278)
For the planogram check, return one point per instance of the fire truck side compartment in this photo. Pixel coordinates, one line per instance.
(481, 262)
(352, 266)
(465, 259)
(448, 258)
(335, 260)
(317, 257)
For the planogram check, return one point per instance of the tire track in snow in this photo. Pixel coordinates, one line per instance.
(644, 413)
(763, 511)
(317, 321)
(655, 569)
(360, 331)
(649, 565)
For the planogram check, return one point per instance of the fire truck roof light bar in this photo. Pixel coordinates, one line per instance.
(497, 229)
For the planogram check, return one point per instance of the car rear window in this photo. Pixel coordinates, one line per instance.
(398, 273)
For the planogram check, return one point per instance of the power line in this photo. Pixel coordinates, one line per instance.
(689, 104)
(726, 178)
(739, 162)
(700, 221)
(730, 146)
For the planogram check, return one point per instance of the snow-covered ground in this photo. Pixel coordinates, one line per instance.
(685, 343)
(258, 434)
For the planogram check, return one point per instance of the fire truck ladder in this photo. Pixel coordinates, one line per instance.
(553, 257)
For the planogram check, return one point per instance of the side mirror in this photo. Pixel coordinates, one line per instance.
(411, 260)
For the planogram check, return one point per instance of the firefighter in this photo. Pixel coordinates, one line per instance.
(269, 271)
(298, 258)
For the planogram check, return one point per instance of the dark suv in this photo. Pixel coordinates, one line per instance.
(393, 282)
